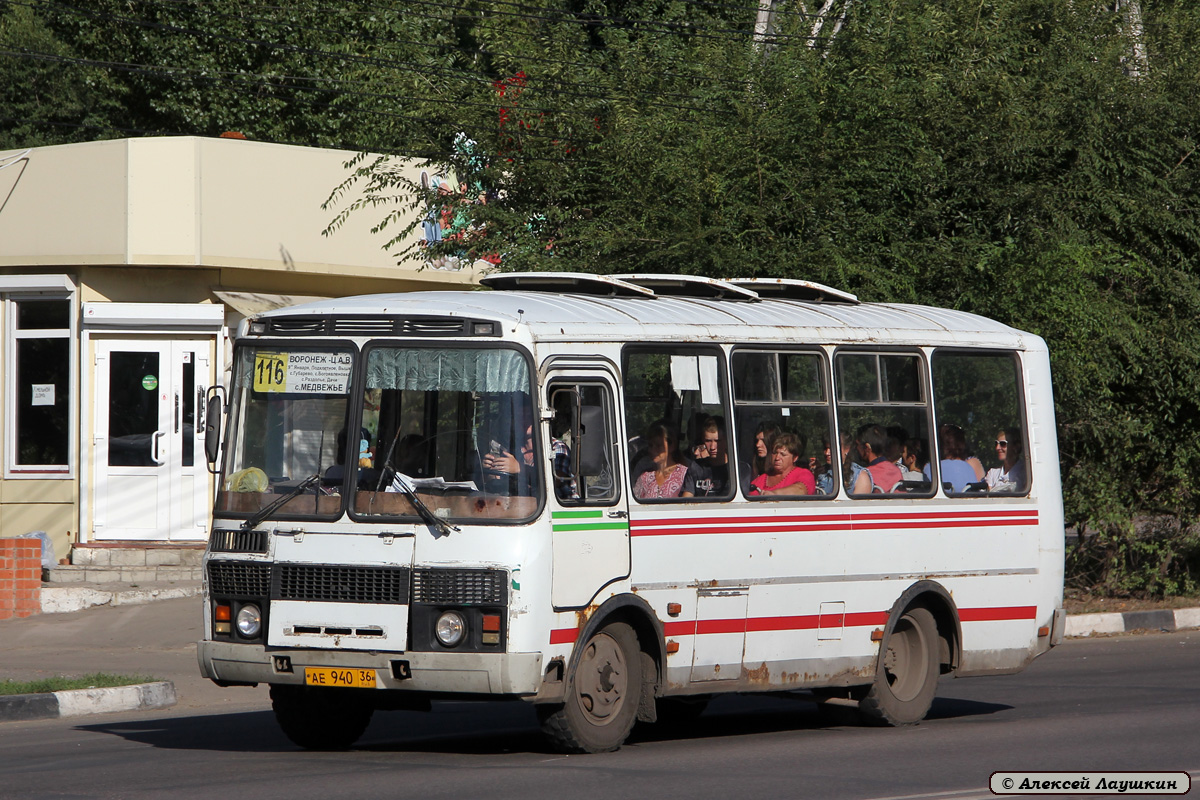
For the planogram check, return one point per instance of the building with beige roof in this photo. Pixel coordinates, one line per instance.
(124, 267)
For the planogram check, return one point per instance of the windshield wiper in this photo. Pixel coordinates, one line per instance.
(431, 519)
(266, 511)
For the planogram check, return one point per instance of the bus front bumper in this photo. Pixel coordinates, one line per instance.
(469, 673)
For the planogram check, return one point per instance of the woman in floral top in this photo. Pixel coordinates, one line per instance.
(668, 473)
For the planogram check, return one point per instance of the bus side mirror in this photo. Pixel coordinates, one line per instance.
(212, 425)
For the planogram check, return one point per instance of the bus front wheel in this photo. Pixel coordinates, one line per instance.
(320, 719)
(602, 694)
(907, 674)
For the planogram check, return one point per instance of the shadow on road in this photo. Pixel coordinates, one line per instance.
(494, 728)
(951, 708)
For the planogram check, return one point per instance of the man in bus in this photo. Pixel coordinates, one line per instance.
(880, 475)
(505, 473)
(708, 476)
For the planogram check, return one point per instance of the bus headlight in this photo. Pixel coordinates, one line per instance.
(450, 628)
(249, 620)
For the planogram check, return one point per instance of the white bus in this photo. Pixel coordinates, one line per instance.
(615, 497)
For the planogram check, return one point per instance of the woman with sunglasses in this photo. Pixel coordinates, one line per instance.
(1010, 475)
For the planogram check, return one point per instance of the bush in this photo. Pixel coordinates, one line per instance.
(1150, 557)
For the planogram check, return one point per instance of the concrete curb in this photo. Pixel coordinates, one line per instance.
(1080, 625)
(63, 599)
(80, 702)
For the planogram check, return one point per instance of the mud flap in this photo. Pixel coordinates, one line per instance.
(647, 707)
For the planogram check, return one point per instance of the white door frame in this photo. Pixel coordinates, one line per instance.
(162, 320)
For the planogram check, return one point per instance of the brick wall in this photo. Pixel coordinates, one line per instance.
(20, 577)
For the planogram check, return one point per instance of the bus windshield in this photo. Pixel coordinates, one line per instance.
(288, 406)
(451, 428)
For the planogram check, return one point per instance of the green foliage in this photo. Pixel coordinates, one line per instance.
(1156, 557)
(61, 683)
(40, 102)
(1032, 162)
(114, 68)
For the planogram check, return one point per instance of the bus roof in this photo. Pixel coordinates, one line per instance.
(630, 310)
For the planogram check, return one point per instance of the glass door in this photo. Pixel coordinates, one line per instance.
(147, 482)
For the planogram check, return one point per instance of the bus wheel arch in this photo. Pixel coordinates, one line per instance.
(934, 597)
(922, 640)
(619, 651)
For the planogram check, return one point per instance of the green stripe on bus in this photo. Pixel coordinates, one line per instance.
(576, 514)
(593, 526)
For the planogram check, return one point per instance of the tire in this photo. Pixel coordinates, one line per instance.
(320, 719)
(602, 694)
(907, 675)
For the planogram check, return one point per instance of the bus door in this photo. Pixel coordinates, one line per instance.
(589, 515)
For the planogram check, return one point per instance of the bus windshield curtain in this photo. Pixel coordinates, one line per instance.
(422, 370)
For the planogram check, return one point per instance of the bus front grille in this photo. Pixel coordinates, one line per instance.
(238, 579)
(463, 587)
(238, 541)
(341, 584)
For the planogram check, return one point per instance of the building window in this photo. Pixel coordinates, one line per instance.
(38, 376)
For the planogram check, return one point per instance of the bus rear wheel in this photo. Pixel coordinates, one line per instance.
(602, 694)
(320, 719)
(907, 675)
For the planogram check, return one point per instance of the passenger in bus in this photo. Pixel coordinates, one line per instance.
(565, 485)
(1010, 475)
(823, 472)
(896, 437)
(880, 475)
(913, 459)
(764, 441)
(976, 465)
(850, 467)
(666, 472)
(784, 475)
(708, 476)
(957, 473)
(505, 473)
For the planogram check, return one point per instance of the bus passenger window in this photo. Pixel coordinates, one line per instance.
(978, 400)
(883, 417)
(784, 425)
(675, 418)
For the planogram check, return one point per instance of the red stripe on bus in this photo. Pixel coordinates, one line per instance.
(815, 518)
(563, 635)
(804, 622)
(688, 527)
(686, 628)
(997, 614)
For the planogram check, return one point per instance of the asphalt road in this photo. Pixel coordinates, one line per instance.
(1121, 703)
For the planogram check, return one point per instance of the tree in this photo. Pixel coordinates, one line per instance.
(1034, 162)
(999, 157)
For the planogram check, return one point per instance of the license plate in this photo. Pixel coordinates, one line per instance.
(328, 676)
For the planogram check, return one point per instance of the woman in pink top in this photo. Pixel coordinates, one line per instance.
(666, 478)
(784, 474)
